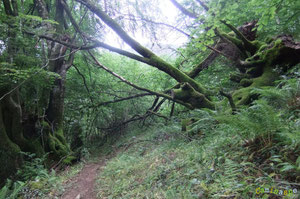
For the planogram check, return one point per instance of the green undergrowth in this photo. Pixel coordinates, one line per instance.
(232, 156)
(34, 180)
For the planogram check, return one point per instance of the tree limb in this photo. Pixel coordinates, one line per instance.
(184, 10)
(154, 60)
(248, 44)
(203, 65)
(203, 5)
(230, 99)
(123, 99)
(117, 28)
(167, 25)
(219, 52)
(135, 86)
(84, 82)
(158, 115)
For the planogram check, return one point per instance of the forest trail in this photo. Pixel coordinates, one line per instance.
(83, 184)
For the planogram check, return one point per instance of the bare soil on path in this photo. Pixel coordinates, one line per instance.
(83, 184)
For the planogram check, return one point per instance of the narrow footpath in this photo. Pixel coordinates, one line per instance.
(83, 184)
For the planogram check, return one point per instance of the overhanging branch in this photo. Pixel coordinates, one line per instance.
(135, 86)
(123, 99)
(184, 10)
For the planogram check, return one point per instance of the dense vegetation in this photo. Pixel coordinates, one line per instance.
(215, 117)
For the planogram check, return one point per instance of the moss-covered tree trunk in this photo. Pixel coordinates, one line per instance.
(55, 111)
(10, 156)
(28, 131)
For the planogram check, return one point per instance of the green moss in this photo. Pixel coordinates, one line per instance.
(271, 54)
(37, 185)
(10, 160)
(60, 150)
(233, 39)
(176, 73)
(36, 147)
(232, 34)
(60, 135)
(44, 124)
(237, 77)
(69, 160)
(185, 123)
(266, 79)
(242, 96)
(188, 94)
(269, 39)
(258, 44)
(10, 157)
(265, 56)
(262, 48)
(246, 82)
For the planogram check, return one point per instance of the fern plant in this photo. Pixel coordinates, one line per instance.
(33, 168)
(285, 95)
(260, 121)
(11, 189)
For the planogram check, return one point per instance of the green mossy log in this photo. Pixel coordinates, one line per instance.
(177, 74)
(188, 94)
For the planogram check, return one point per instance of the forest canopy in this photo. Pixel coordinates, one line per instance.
(76, 71)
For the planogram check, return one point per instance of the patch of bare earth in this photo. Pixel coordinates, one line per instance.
(83, 184)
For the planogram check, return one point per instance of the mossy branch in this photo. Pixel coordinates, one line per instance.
(230, 99)
(135, 86)
(251, 47)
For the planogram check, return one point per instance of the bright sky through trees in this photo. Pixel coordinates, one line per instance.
(169, 38)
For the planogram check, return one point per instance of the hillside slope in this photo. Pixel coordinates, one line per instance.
(224, 159)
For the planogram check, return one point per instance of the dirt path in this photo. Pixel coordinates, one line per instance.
(83, 184)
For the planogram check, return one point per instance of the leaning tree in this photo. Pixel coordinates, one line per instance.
(255, 59)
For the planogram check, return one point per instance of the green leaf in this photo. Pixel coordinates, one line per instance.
(287, 167)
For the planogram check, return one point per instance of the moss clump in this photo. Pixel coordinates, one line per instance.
(237, 77)
(258, 44)
(60, 136)
(57, 147)
(266, 79)
(185, 123)
(188, 94)
(242, 96)
(246, 82)
(69, 160)
(37, 185)
(36, 147)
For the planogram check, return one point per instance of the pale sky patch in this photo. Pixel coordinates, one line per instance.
(167, 37)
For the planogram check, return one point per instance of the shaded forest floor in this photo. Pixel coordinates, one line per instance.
(162, 162)
(252, 154)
